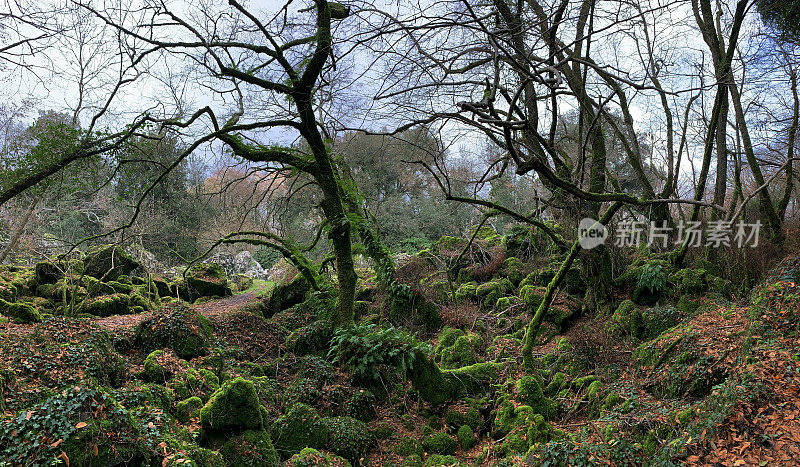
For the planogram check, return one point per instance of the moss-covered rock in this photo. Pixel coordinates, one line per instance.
(408, 446)
(530, 392)
(360, 405)
(20, 312)
(188, 408)
(456, 348)
(207, 280)
(299, 428)
(251, 448)
(489, 292)
(689, 281)
(348, 437)
(440, 443)
(466, 437)
(310, 339)
(310, 457)
(107, 305)
(108, 262)
(234, 406)
(178, 327)
(154, 369)
(285, 296)
(513, 269)
(94, 428)
(626, 320)
(467, 291)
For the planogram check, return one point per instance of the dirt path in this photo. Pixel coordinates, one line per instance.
(210, 309)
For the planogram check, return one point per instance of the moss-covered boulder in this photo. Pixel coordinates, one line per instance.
(514, 270)
(466, 437)
(299, 428)
(348, 437)
(188, 408)
(440, 443)
(234, 406)
(108, 262)
(489, 292)
(177, 327)
(107, 305)
(467, 291)
(251, 448)
(626, 320)
(207, 280)
(155, 368)
(457, 349)
(689, 281)
(411, 307)
(20, 312)
(436, 386)
(310, 457)
(529, 391)
(360, 405)
(285, 296)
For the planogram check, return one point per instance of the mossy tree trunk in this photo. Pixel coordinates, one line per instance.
(533, 327)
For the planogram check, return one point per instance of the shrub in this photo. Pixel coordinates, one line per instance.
(650, 284)
(361, 405)
(95, 428)
(372, 352)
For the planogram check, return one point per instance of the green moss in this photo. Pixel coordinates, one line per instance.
(408, 446)
(529, 392)
(360, 405)
(310, 339)
(626, 320)
(251, 448)
(108, 262)
(302, 390)
(207, 280)
(178, 327)
(310, 457)
(612, 400)
(155, 371)
(300, 427)
(107, 305)
(593, 391)
(20, 313)
(689, 281)
(467, 291)
(348, 437)
(440, 443)
(688, 304)
(439, 460)
(186, 409)
(555, 384)
(491, 291)
(513, 269)
(457, 349)
(234, 406)
(466, 437)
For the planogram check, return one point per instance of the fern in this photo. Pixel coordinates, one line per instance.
(369, 351)
(652, 277)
